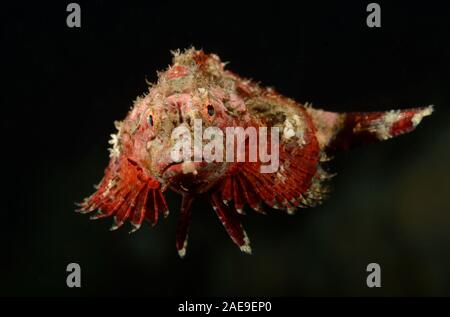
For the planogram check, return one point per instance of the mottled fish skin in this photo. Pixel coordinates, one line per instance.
(197, 86)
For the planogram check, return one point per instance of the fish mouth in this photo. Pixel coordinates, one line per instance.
(182, 168)
(170, 165)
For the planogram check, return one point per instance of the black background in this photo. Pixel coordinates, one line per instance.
(63, 88)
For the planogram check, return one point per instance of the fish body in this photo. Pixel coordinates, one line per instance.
(198, 104)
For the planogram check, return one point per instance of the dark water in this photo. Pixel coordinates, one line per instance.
(65, 87)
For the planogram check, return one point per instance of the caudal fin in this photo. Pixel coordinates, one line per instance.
(340, 131)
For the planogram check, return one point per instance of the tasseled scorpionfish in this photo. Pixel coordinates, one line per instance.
(203, 131)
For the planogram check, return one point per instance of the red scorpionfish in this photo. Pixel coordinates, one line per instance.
(197, 87)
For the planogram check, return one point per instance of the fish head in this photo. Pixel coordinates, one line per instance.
(175, 130)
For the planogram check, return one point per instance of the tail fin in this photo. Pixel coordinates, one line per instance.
(341, 131)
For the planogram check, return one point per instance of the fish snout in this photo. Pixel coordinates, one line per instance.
(184, 109)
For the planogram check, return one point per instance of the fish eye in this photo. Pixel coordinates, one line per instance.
(211, 110)
(150, 120)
